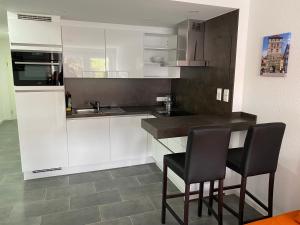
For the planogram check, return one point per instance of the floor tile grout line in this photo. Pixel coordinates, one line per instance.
(99, 214)
(65, 211)
(140, 184)
(111, 175)
(131, 221)
(45, 194)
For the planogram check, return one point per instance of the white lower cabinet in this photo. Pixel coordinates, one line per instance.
(128, 139)
(42, 129)
(88, 141)
(107, 141)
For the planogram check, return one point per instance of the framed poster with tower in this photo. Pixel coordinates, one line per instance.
(275, 55)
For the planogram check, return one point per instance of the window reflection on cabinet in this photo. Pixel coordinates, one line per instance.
(84, 52)
(124, 53)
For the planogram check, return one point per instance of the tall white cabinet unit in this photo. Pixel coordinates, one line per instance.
(42, 129)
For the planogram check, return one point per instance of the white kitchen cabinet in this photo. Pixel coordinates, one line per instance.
(42, 129)
(159, 51)
(88, 141)
(84, 52)
(159, 151)
(124, 53)
(150, 146)
(128, 139)
(28, 29)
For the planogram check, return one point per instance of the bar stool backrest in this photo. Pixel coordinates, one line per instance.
(206, 154)
(261, 149)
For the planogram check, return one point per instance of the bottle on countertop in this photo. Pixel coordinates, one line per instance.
(69, 102)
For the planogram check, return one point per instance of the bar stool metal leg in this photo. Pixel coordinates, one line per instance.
(242, 200)
(220, 202)
(186, 204)
(271, 191)
(211, 193)
(200, 200)
(164, 193)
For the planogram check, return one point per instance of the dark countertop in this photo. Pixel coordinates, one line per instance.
(129, 110)
(168, 127)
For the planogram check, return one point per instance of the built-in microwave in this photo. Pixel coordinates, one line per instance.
(35, 68)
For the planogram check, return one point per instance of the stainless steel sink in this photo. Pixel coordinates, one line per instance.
(112, 110)
(85, 111)
(104, 110)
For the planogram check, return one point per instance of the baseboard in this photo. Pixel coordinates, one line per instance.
(88, 168)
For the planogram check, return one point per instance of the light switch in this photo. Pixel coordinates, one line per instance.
(226, 95)
(219, 94)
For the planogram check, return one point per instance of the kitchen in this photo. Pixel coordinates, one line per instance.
(102, 94)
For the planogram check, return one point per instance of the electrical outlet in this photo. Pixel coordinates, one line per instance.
(219, 94)
(226, 95)
(161, 99)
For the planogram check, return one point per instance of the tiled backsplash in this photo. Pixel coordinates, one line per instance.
(117, 92)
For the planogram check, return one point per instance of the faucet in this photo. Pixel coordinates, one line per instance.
(96, 105)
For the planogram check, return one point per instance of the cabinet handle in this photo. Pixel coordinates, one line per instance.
(37, 63)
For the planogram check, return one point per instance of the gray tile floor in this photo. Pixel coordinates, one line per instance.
(126, 196)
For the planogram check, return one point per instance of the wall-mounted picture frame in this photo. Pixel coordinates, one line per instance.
(275, 55)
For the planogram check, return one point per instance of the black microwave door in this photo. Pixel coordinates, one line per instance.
(37, 75)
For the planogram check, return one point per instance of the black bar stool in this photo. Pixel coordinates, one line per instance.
(204, 160)
(258, 156)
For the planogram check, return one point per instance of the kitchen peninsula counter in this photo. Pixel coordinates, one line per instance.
(170, 127)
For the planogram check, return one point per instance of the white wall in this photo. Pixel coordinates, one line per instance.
(276, 99)
(7, 99)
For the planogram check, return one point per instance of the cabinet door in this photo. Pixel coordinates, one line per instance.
(34, 32)
(42, 130)
(84, 52)
(88, 141)
(124, 52)
(128, 139)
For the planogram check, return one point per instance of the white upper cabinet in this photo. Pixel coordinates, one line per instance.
(117, 51)
(32, 29)
(159, 51)
(84, 52)
(124, 53)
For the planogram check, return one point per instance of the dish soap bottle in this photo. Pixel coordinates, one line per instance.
(69, 102)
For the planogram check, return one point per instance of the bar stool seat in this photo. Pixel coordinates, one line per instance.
(204, 161)
(234, 159)
(176, 162)
(258, 156)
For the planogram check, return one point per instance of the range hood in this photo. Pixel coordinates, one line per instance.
(190, 44)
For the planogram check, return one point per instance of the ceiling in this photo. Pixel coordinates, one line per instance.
(164, 13)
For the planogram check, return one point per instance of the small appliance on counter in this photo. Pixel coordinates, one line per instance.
(167, 100)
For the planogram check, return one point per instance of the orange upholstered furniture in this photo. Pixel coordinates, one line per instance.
(291, 218)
